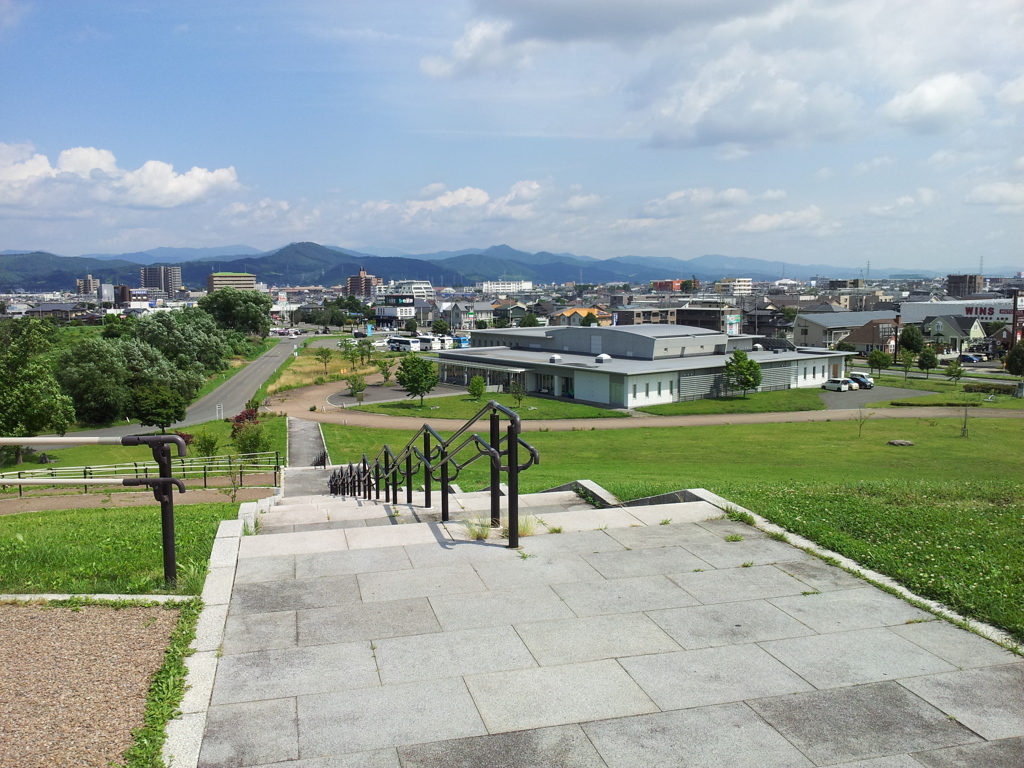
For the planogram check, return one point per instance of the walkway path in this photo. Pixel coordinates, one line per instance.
(644, 637)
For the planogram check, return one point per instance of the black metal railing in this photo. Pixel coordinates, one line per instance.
(442, 460)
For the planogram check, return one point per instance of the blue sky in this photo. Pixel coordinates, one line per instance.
(812, 131)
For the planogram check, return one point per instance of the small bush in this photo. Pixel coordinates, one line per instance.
(185, 436)
(991, 388)
(252, 439)
(204, 443)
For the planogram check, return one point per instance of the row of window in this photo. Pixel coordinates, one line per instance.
(647, 389)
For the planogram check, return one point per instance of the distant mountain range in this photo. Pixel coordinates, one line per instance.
(314, 264)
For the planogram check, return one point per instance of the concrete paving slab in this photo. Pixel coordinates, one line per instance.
(577, 542)
(849, 609)
(641, 593)
(561, 695)
(295, 594)
(712, 676)
(820, 576)
(419, 582)
(515, 572)
(247, 734)
(564, 641)
(262, 569)
(225, 552)
(657, 535)
(560, 747)
(644, 562)
(450, 654)
(390, 716)
(288, 672)
(396, 535)
(708, 626)
(350, 562)
(491, 609)
(210, 628)
(957, 646)
(589, 519)
(366, 621)
(736, 584)
(1006, 753)
(299, 543)
(184, 739)
(202, 669)
(259, 631)
(457, 551)
(732, 554)
(854, 658)
(726, 736)
(892, 761)
(377, 758)
(678, 513)
(723, 527)
(860, 722)
(989, 701)
(217, 587)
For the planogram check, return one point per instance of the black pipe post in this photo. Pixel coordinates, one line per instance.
(513, 487)
(376, 480)
(366, 478)
(444, 483)
(495, 470)
(426, 471)
(387, 477)
(408, 478)
(164, 494)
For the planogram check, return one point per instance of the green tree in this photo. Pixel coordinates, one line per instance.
(365, 349)
(417, 375)
(156, 405)
(741, 372)
(502, 322)
(385, 366)
(1014, 361)
(912, 338)
(244, 311)
(252, 438)
(480, 325)
(845, 346)
(477, 387)
(204, 443)
(352, 355)
(790, 313)
(411, 326)
(440, 327)
(589, 319)
(30, 398)
(356, 384)
(324, 355)
(529, 320)
(94, 374)
(187, 337)
(518, 392)
(955, 371)
(906, 362)
(927, 361)
(878, 360)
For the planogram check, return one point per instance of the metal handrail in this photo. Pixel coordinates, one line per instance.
(437, 459)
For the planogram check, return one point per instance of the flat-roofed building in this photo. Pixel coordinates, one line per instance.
(166, 279)
(243, 281)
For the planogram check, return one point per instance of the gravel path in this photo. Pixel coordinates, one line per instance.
(74, 682)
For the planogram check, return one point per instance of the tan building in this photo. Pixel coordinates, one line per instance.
(361, 285)
(87, 285)
(166, 279)
(243, 281)
(964, 285)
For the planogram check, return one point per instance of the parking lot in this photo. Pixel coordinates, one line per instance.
(835, 401)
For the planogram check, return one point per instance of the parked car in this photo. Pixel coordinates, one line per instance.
(863, 380)
(851, 385)
(836, 385)
(969, 359)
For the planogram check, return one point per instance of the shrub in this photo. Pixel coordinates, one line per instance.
(185, 436)
(205, 443)
(994, 389)
(246, 417)
(252, 439)
(477, 387)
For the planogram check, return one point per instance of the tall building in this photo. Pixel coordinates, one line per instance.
(361, 285)
(166, 279)
(243, 281)
(87, 285)
(964, 285)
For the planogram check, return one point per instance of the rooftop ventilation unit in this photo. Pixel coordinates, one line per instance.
(602, 358)
(555, 359)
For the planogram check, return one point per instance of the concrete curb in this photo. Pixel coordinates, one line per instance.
(185, 732)
(872, 577)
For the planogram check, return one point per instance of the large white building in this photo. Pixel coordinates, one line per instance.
(504, 286)
(419, 289)
(630, 366)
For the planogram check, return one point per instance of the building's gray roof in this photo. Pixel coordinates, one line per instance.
(846, 319)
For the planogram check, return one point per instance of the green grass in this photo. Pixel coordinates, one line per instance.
(107, 550)
(961, 543)
(754, 402)
(464, 407)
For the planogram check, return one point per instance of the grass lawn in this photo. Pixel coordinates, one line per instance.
(106, 550)
(946, 392)
(97, 455)
(960, 543)
(754, 402)
(465, 407)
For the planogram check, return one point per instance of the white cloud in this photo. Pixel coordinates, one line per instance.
(581, 202)
(87, 175)
(482, 47)
(269, 214)
(1007, 195)
(471, 197)
(808, 218)
(11, 13)
(872, 165)
(1018, 165)
(935, 105)
(676, 203)
(906, 205)
(1012, 92)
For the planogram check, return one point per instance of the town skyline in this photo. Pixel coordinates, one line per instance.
(806, 132)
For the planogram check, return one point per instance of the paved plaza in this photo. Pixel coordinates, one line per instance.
(364, 635)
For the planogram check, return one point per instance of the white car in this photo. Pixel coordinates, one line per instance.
(836, 385)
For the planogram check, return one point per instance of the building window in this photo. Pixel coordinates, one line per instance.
(805, 373)
(647, 389)
(670, 387)
(814, 372)
(659, 389)
(634, 391)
